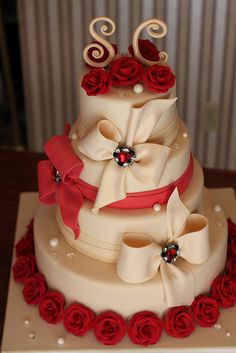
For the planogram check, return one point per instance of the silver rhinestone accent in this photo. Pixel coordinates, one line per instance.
(217, 327)
(70, 255)
(227, 333)
(31, 336)
(185, 135)
(54, 255)
(122, 94)
(26, 322)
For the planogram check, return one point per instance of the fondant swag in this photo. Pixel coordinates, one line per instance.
(187, 242)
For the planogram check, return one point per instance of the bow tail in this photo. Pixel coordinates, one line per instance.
(112, 186)
(178, 284)
(70, 200)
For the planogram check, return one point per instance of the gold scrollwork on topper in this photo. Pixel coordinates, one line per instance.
(156, 29)
(97, 48)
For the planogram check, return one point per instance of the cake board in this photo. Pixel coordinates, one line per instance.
(25, 331)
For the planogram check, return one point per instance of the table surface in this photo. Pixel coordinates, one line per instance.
(18, 173)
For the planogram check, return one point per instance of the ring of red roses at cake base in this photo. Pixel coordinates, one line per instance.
(144, 327)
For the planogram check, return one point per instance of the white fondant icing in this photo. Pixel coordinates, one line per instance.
(85, 279)
(100, 233)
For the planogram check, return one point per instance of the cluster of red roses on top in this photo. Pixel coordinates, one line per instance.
(109, 327)
(127, 71)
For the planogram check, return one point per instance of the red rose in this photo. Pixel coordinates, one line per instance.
(231, 227)
(25, 246)
(159, 78)
(78, 319)
(126, 71)
(30, 226)
(231, 245)
(25, 266)
(109, 328)
(231, 267)
(223, 289)
(179, 322)
(205, 310)
(145, 328)
(51, 307)
(147, 49)
(231, 238)
(35, 288)
(96, 81)
(105, 55)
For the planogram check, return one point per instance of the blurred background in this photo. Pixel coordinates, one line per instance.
(41, 58)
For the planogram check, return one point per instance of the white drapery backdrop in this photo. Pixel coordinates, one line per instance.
(201, 43)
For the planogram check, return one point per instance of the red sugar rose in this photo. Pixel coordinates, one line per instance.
(109, 328)
(105, 55)
(96, 81)
(25, 266)
(159, 78)
(78, 319)
(145, 328)
(51, 307)
(223, 289)
(231, 227)
(25, 246)
(147, 49)
(205, 310)
(231, 267)
(35, 288)
(179, 322)
(126, 71)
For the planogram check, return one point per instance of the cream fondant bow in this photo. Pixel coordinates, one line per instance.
(101, 141)
(187, 242)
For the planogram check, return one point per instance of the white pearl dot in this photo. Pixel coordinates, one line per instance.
(176, 146)
(157, 207)
(138, 88)
(60, 340)
(73, 136)
(217, 208)
(54, 242)
(185, 135)
(26, 322)
(228, 333)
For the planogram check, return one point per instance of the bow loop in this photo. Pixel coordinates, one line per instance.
(141, 258)
(102, 141)
(57, 179)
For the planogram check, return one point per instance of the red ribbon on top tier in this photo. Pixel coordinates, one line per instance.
(58, 178)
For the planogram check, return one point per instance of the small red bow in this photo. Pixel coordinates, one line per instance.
(57, 180)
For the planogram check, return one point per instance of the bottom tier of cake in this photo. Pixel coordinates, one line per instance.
(96, 284)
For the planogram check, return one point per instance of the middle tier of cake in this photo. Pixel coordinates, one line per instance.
(100, 234)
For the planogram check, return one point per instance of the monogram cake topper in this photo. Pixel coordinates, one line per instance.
(143, 68)
(101, 52)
